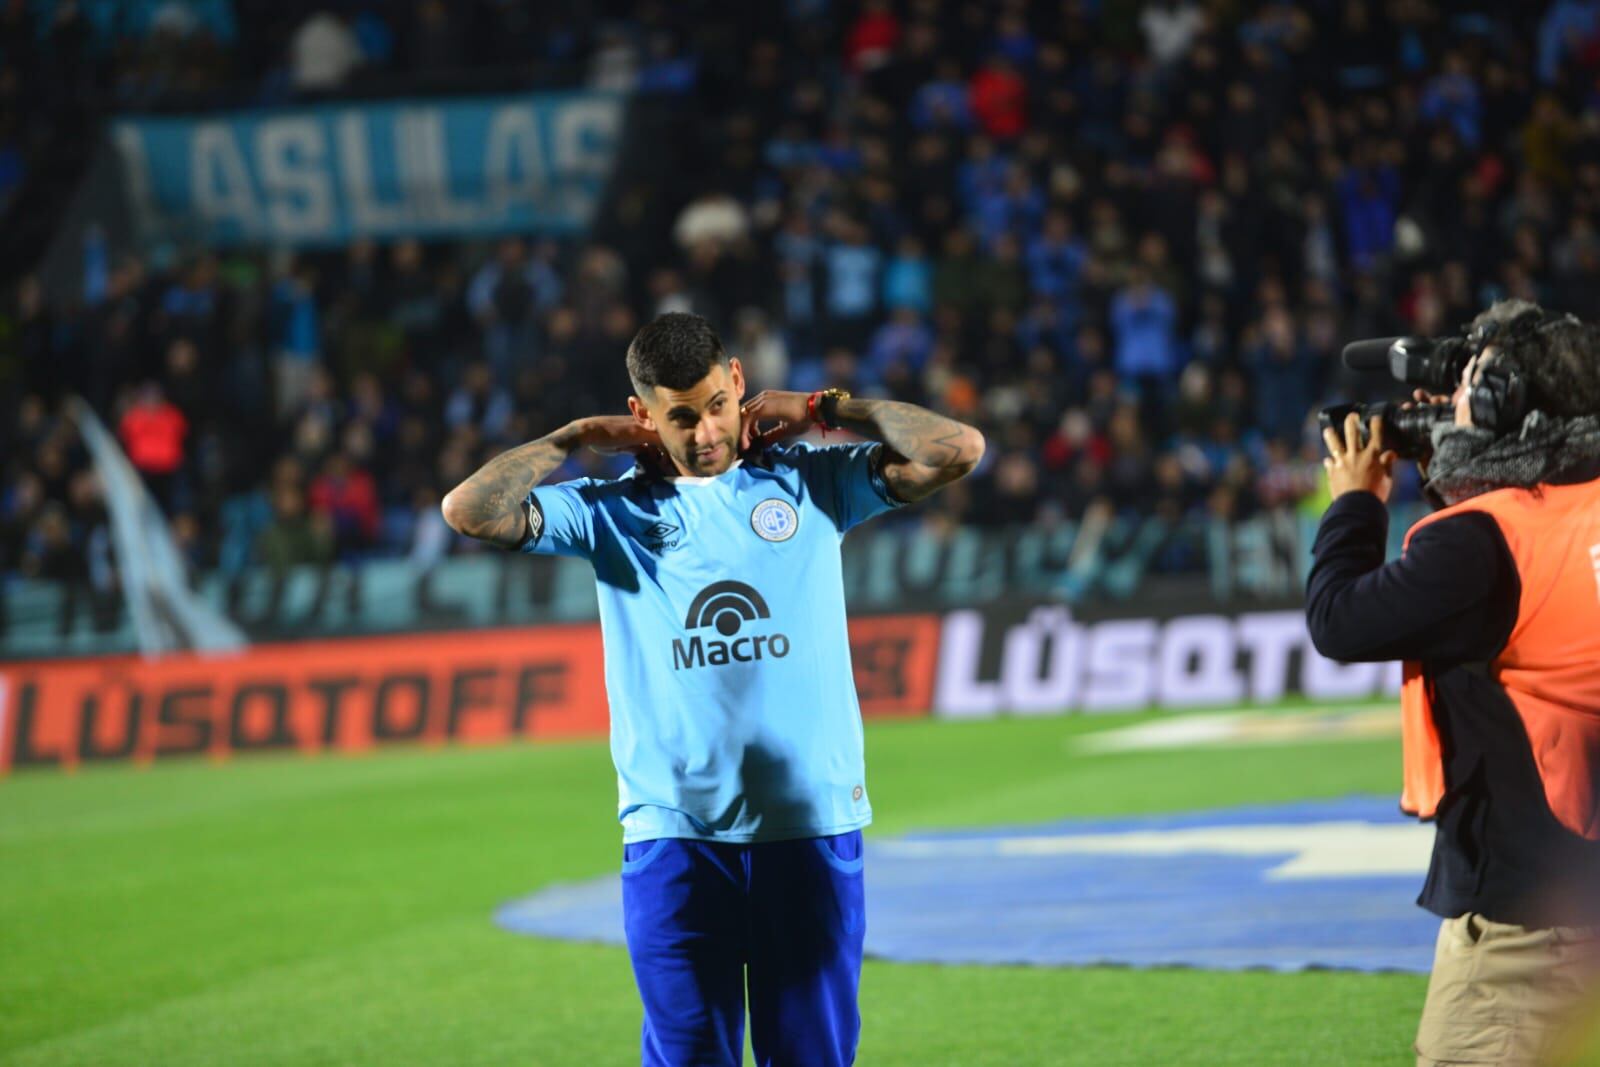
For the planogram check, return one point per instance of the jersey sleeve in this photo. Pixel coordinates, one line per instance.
(560, 520)
(847, 482)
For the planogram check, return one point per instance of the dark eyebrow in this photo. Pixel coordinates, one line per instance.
(684, 410)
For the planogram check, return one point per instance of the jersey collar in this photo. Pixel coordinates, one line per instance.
(708, 479)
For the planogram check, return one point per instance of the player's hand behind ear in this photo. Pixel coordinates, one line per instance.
(612, 434)
(783, 411)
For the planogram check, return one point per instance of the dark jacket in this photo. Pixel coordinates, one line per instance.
(1450, 602)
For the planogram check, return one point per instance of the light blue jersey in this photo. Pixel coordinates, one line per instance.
(733, 709)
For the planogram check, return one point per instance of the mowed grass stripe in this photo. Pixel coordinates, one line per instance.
(281, 861)
(337, 909)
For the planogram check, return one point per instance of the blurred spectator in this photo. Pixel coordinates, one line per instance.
(1567, 29)
(761, 349)
(1369, 195)
(1280, 364)
(1016, 490)
(323, 53)
(943, 103)
(1055, 259)
(191, 305)
(1015, 208)
(298, 348)
(153, 433)
(479, 403)
(908, 279)
(1452, 97)
(294, 536)
(899, 348)
(431, 538)
(507, 296)
(870, 41)
(614, 64)
(1547, 142)
(999, 99)
(347, 497)
(19, 510)
(49, 552)
(1003, 281)
(1144, 321)
(1170, 28)
(712, 218)
(853, 265)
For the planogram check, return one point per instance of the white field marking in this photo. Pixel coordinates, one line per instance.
(1345, 849)
(1245, 728)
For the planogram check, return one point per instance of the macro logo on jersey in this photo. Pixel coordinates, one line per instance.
(774, 520)
(726, 607)
(660, 536)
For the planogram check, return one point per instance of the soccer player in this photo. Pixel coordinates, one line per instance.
(734, 722)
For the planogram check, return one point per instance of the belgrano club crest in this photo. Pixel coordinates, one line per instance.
(774, 520)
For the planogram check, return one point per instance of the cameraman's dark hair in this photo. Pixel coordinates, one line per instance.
(676, 350)
(1561, 360)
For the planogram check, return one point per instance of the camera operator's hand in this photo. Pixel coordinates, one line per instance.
(1421, 398)
(1353, 466)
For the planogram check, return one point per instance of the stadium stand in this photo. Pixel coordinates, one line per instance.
(1125, 239)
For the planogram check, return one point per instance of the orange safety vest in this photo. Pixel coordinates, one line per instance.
(1550, 665)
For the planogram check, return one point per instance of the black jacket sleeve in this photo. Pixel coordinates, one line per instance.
(1452, 598)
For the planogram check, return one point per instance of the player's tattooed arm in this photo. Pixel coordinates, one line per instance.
(923, 450)
(488, 505)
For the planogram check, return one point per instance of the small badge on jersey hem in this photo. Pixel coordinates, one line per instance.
(774, 520)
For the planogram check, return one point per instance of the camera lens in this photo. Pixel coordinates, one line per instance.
(1407, 431)
(1435, 364)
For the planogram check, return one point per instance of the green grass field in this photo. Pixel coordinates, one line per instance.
(336, 910)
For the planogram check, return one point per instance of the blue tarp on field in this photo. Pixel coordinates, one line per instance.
(1317, 884)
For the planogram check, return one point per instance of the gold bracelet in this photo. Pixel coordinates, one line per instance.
(828, 407)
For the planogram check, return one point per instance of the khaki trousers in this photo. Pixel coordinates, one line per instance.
(1503, 994)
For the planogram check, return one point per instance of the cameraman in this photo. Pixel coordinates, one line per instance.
(1494, 605)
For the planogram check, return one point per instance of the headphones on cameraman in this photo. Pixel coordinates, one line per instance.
(1498, 399)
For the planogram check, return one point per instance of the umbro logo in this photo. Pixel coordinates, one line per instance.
(660, 536)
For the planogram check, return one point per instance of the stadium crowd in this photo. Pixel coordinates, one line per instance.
(1126, 239)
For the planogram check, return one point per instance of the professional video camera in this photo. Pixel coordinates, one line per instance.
(1499, 397)
(1430, 363)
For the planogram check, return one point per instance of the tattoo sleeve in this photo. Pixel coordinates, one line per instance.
(488, 505)
(923, 450)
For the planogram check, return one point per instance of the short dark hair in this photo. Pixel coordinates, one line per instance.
(1561, 358)
(676, 350)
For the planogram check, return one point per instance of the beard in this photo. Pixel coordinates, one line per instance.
(704, 463)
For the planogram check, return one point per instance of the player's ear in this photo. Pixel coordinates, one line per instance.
(641, 413)
(736, 374)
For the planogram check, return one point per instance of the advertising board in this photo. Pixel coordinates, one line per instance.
(354, 694)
